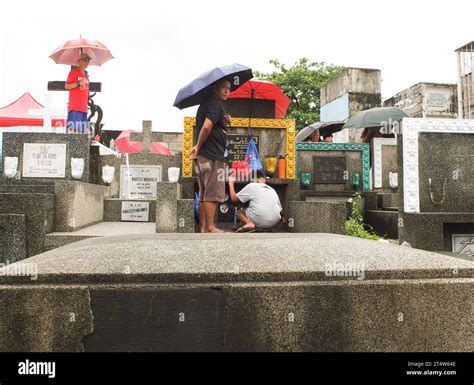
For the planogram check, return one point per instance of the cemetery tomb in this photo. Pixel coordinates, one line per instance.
(133, 190)
(381, 206)
(202, 292)
(273, 137)
(436, 182)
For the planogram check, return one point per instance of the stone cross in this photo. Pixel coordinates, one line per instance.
(146, 136)
(59, 86)
(47, 113)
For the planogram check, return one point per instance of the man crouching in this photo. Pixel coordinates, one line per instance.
(264, 209)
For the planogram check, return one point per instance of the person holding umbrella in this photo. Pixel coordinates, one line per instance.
(78, 85)
(79, 53)
(209, 153)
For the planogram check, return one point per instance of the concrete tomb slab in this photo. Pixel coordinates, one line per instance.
(239, 292)
(436, 162)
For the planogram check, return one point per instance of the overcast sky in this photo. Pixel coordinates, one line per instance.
(161, 46)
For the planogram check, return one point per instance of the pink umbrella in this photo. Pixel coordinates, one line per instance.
(124, 145)
(160, 148)
(69, 52)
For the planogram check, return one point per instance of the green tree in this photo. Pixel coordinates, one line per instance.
(301, 83)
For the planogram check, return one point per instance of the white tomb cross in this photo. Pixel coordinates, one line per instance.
(47, 113)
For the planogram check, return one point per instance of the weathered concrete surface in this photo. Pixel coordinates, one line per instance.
(251, 292)
(20, 186)
(185, 212)
(167, 195)
(12, 237)
(319, 216)
(427, 100)
(384, 223)
(41, 318)
(433, 231)
(103, 229)
(352, 80)
(78, 205)
(178, 258)
(39, 212)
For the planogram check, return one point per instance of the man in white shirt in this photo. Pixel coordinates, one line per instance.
(264, 209)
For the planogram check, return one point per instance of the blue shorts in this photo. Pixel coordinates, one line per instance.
(77, 122)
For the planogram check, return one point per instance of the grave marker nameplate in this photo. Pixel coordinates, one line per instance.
(329, 169)
(135, 211)
(237, 146)
(463, 244)
(139, 182)
(44, 160)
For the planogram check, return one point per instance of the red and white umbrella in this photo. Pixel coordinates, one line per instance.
(69, 52)
(261, 89)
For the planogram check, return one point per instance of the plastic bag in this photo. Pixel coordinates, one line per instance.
(241, 168)
(196, 207)
(253, 157)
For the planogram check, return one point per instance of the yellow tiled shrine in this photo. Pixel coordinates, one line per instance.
(255, 123)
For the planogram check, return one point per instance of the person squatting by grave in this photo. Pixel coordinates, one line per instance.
(264, 209)
(209, 154)
(77, 84)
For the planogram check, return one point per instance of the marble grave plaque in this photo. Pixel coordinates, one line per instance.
(44, 160)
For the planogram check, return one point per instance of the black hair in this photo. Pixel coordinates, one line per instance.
(217, 82)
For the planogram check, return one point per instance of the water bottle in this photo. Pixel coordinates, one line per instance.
(281, 167)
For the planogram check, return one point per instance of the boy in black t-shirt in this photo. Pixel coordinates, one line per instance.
(209, 154)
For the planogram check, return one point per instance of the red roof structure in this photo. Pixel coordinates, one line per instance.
(16, 113)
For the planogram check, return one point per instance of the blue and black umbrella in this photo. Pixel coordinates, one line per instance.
(199, 89)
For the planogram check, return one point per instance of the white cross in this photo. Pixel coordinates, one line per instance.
(47, 113)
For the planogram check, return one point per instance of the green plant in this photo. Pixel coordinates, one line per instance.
(355, 226)
(301, 83)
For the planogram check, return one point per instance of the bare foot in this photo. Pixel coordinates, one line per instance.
(202, 230)
(214, 230)
(246, 228)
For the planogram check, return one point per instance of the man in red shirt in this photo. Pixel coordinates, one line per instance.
(78, 85)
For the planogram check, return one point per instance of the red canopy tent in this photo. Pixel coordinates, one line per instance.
(16, 113)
